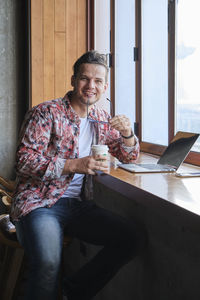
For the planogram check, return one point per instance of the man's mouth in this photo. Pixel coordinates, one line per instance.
(89, 94)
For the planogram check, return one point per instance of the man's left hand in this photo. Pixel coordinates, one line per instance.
(122, 124)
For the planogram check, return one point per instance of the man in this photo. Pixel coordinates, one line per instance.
(53, 161)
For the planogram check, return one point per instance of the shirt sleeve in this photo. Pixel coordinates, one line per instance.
(35, 137)
(119, 150)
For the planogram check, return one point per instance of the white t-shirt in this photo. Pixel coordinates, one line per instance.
(85, 142)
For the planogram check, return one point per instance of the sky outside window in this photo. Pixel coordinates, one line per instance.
(188, 67)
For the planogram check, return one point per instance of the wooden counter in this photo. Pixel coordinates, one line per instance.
(180, 192)
(184, 192)
(168, 208)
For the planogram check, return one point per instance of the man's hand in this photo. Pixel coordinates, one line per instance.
(123, 125)
(86, 165)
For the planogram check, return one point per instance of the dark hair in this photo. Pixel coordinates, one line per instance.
(91, 57)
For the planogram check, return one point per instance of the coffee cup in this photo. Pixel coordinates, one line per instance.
(103, 151)
(100, 150)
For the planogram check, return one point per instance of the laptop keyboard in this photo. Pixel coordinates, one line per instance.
(154, 166)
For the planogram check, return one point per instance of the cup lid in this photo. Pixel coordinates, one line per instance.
(100, 146)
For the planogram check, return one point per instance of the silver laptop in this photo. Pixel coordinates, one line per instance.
(172, 157)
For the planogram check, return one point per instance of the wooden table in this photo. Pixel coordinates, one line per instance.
(184, 192)
(169, 209)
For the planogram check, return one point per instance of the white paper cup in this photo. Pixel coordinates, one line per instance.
(100, 150)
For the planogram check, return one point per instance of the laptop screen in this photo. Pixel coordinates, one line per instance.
(178, 149)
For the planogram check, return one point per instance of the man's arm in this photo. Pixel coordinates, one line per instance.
(31, 157)
(126, 145)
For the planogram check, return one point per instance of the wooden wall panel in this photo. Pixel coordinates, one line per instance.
(60, 15)
(37, 71)
(49, 49)
(81, 26)
(71, 38)
(60, 75)
(58, 38)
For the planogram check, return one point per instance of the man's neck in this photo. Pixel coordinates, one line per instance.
(80, 108)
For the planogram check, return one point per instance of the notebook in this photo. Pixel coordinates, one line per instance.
(172, 157)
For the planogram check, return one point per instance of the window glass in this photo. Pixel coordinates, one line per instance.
(188, 67)
(155, 71)
(124, 60)
(102, 40)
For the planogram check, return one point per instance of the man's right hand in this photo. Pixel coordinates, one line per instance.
(86, 165)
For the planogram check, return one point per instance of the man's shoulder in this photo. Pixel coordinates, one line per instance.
(49, 104)
(48, 107)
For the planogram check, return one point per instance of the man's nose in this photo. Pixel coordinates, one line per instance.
(91, 83)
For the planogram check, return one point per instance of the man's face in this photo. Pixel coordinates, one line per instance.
(89, 84)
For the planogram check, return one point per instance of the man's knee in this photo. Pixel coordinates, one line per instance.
(46, 267)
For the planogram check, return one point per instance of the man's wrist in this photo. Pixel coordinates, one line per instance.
(129, 136)
(69, 166)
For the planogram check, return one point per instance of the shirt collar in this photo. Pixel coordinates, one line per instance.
(72, 115)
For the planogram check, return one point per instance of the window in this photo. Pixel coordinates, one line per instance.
(169, 72)
(155, 70)
(124, 84)
(187, 94)
(154, 63)
(102, 39)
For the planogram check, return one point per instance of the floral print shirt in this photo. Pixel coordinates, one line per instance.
(49, 136)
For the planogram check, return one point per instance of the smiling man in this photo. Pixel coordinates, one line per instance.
(54, 168)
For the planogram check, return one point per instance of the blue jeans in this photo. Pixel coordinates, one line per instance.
(41, 234)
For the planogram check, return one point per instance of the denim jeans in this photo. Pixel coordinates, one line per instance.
(41, 234)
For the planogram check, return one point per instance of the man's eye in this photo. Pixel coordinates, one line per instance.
(99, 81)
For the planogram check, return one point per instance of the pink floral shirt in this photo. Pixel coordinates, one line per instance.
(49, 136)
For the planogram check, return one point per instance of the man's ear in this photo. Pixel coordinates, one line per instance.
(72, 80)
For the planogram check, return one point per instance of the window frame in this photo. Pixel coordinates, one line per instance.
(90, 24)
(193, 157)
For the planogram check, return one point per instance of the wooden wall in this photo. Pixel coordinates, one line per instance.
(58, 38)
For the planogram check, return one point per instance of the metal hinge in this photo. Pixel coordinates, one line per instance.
(135, 54)
(109, 59)
(136, 128)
